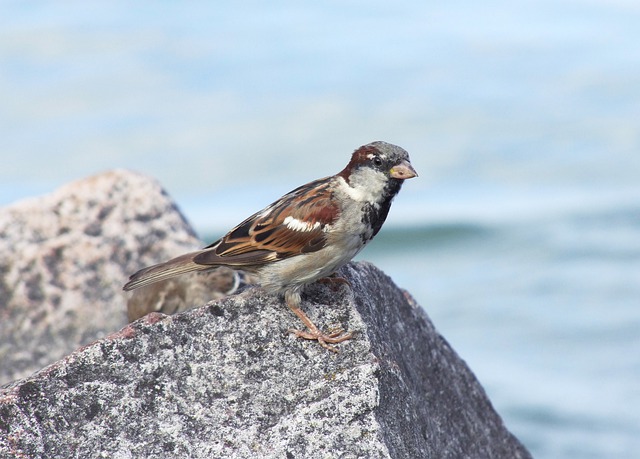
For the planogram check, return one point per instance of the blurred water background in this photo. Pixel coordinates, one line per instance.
(521, 237)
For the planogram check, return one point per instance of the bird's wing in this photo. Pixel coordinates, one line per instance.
(295, 224)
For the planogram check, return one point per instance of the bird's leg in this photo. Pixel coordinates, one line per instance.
(314, 333)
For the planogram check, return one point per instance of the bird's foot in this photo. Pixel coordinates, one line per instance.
(334, 280)
(325, 340)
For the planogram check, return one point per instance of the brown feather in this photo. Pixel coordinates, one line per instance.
(260, 239)
(174, 267)
(265, 236)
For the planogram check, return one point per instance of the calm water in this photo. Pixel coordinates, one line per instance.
(521, 237)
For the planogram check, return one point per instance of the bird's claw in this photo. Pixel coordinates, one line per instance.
(325, 340)
(334, 280)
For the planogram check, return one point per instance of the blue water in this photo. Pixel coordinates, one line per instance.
(521, 237)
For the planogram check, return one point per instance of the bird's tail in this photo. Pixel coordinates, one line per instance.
(156, 273)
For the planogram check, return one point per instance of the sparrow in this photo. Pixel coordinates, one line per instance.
(306, 235)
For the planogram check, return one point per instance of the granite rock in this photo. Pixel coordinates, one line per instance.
(65, 256)
(221, 380)
(227, 380)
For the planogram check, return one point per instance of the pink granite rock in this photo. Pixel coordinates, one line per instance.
(65, 256)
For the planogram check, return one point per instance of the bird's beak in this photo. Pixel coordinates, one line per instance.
(403, 171)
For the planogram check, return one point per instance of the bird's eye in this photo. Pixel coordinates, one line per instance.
(377, 161)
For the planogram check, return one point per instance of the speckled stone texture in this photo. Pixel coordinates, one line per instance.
(65, 256)
(227, 381)
(223, 380)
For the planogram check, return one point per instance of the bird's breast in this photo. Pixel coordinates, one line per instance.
(306, 268)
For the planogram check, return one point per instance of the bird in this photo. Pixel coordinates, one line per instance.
(306, 235)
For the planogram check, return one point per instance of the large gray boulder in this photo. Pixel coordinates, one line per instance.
(65, 256)
(222, 380)
(227, 380)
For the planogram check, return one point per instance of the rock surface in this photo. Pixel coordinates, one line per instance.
(222, 380)
(227, 380)
(65, 256)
